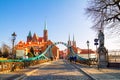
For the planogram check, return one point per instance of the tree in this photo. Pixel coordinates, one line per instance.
(5, 54)
(30, 55)
(5, 50)
(0, 53)
(104, 13)
(32, 51)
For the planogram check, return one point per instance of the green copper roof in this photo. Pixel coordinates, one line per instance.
(29, 35)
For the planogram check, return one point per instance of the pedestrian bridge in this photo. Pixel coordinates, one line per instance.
(47, 54)
(14, 64)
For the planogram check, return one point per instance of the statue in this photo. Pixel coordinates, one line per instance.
(102, 51)
(101, 38)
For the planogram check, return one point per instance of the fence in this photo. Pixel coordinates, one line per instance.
(114, 56)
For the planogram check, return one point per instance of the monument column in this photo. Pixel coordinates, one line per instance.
(102, 51)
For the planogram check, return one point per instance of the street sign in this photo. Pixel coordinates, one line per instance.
(95, 40)
(95, 43)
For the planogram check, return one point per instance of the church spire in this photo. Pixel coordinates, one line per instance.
(45, 32)
(74, 42)
(69, 42)
(29, 37)
(45, 25)
(29, 34)
(73, 38)
(35, 38)
(69, 37)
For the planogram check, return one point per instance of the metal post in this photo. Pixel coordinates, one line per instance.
(96, 43)
(115, 56)
(88, 53)
(98, 61)
(97, 58)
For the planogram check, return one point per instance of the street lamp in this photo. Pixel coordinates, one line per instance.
(88, 52)
(13, 41)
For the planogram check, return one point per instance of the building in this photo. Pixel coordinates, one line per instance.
(63, 54)
(85, 53)
(72, 43)
(39, 45)
(81, 52)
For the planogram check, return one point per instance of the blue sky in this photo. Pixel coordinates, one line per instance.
(63, 17)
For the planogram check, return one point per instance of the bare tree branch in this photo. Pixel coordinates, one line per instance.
(104, 12)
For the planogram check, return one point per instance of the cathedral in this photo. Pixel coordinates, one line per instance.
(36, 38)
(72, 43)
(39, 45)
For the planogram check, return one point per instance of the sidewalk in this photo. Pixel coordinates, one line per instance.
(102, 73)
(17, 75)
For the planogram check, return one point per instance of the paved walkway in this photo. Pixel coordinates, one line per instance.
(57, 70)
(101, 74)
(16, 75)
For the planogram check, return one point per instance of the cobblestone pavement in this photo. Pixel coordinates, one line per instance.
(112, 72)
(101, 73)
(62, 70)
(16, 75)
(57, 70)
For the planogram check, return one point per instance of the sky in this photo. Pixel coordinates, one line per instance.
(63, 18)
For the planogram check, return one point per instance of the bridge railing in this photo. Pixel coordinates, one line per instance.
(114, 56)
(13, 66)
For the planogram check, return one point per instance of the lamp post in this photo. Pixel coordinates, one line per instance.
(13, 41)
(88, 52)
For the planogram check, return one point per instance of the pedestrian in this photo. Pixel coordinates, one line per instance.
(75, 59)
(70, 58)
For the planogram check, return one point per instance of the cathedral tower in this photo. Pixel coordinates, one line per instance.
(35, 38)
(73, 42)
(29, 37)
(69, 42)
(45, 32)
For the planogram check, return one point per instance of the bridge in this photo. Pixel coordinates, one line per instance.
(47, 54)
(42, 68)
